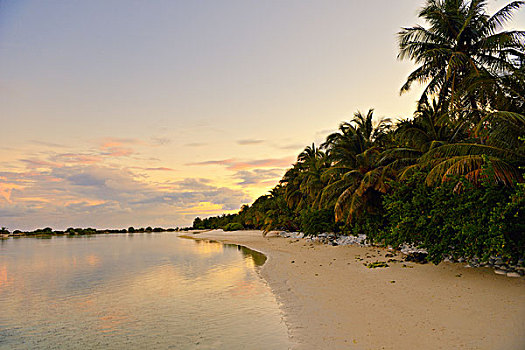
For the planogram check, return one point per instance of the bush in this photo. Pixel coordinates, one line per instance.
(313, 222)
(476, 221)
(369, 224)
(233, 226)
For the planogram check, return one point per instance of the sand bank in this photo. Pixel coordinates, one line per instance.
(331, 301)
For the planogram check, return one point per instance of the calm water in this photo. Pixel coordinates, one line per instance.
(154, 291)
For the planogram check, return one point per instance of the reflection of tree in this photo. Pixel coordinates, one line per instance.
(258, 258)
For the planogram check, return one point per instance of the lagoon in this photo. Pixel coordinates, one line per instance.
(135, 291)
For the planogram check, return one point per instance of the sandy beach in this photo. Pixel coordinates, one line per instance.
(330, 300)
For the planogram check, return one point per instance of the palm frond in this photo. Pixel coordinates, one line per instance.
(471, 164)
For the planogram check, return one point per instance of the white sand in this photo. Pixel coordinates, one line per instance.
(331, 301)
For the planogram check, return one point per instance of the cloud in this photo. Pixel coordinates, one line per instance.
(153, 168)
(194, 184)
(226, 162)
(47, 144)
(160, 169)
(196, 144)
(107, 148)
(86, 180)
(118, 147)
(62, 188)
(118, 141)
(249, 142)
(160, 141)
(258, 176)
(116, 151)
(294, 146)
(38, 163)
(99, 195)
(6, 189)
(233, 164)
(77, 158)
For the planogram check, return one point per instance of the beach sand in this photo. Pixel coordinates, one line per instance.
(331, 301)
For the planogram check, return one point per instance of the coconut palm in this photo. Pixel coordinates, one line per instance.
(303, 184)
(354, 138)
(411, 138)
(461, 55)
(498, 144)
(354, 179)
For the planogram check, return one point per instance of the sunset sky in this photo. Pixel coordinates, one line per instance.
(149, 113)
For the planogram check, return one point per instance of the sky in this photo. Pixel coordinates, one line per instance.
(118, 113)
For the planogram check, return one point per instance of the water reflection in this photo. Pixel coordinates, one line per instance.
(258, 258)
(204, 245)
(114, 291)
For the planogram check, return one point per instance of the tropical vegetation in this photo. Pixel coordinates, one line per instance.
(449, 178)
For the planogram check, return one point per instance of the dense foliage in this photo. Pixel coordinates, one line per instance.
(233, 226)
(449, 179)
(477, 221)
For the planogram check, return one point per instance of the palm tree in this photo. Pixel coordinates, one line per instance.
(498, 143)
(303, 183)
(354, 179)
(355, 137)
(430, 128)
(461, 55)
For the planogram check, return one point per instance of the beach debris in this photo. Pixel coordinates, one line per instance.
(513, 274)
(376, 264)
(407, 266)
(500, 272)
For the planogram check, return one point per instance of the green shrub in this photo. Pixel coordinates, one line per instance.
(233, 226)
(313, 222)
(474, 221)
(369, 224)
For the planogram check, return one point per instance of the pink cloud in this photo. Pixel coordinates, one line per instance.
(117, 151)
(5, 192)
(160, 169)
(118, 147)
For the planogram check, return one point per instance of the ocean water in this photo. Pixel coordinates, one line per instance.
(139, 291)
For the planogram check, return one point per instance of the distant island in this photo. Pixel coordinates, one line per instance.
(48, 231)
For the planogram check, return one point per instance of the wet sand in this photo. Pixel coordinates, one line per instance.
(330, 300)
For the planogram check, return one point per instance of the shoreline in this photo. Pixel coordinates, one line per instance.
(330, 300)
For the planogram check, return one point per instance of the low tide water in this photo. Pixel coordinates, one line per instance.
(135, 291)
